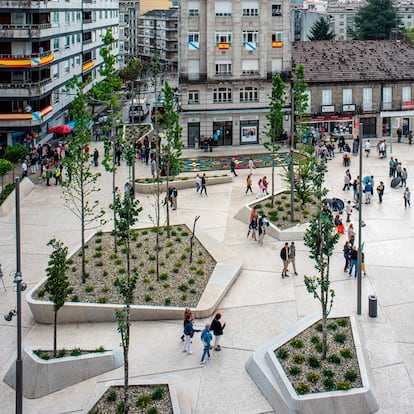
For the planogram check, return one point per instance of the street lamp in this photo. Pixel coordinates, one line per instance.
(360, 225)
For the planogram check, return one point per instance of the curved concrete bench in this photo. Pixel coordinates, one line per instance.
(228, 267)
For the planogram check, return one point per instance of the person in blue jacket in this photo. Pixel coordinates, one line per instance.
(188, 334)
(206, 338)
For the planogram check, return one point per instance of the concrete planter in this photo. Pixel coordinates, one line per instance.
(181, 184)
(43, 377)
(269, 376)
(224, 274)
(176, 406)
(294, 233)
(26, 187)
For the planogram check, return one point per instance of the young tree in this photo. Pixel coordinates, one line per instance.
(5, 168)
(375, 20)
(15, 154)
(321, 30)
(301, 104)
(57, 283)
(321, 238)
(126, 215)
(79, 189)
(275, 122)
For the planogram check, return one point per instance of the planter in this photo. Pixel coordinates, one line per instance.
(149, 188)
(43, 377)
(269, 376)
(296, 232)
(228, 267)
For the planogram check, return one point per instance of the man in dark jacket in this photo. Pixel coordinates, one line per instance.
(284, 255)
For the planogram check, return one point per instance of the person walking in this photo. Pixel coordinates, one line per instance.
(188, 334)
(95, 157)
(174, 195)
(198, 182)
(367, 148)
(233, 167)
(206, 338)
(354, 261)
(348, 211)
(249, 183)
(251, 166)
(407, 197)
(187, 314)
(380, 191)
(153, 167)
(351, 234)
(284, 255)
(203, 185)
(391, 164)
(261, 227)
(404, 176)
(253, 227)
(292, 256)
(347, 180)
(347, 252)
(217, 327)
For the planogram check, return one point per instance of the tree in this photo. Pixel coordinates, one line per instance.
(15, 153)
(301, 104)
(57, 283)
(375, 20)
(79, 189)
(5, 167)
(321, 238)
(275, 122)
(321, 30)
(126, 215)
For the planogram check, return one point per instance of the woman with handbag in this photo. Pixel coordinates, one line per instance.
(188, 334)
(217, 327)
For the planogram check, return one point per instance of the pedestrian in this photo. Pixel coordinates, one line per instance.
(391, 164)
(284, 255)
(347, 180)
(217, 327)
(353, 260)
(351, 234)
(56, 174)
(367, 191)
(206, 338)
(404, 176)
(339, 225)
(203, 185)
(253, 227)
(24, 168)
(249, 182)
(399, 134)
(153, 167)
(261, 227)
(261, 191)
(355, 190)
(407, 197)
(233, 167)
(347, 252)
(292, 256)
(188, 334)
(187, 313)
(398, 168)
(348, 211)
(198, 183)
(410, 137)
(346, 157)
(380, 191)
(48, 175)
(367, 148)
(265, 185)
(251, 165)
(95, 157)
(174, 194)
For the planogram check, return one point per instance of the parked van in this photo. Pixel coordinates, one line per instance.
(138, 110)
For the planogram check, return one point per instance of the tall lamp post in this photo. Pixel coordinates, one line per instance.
(360, 225)
(292, 143)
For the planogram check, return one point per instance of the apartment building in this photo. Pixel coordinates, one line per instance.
(128, 30)
(43, 44)
(354, 83)
(158, 35)
(229, 51)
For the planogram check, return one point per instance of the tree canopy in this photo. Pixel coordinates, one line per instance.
(321, 30)
(375, 20)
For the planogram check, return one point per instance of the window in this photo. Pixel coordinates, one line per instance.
(250, 8)
(249, 94)
(223, 68)
(55, 44)
(193, 97)
(222, 95)
(67, 42)
(277, 66)
(55, 18)
(223, 8)
(193, 8)
(223, 37)
(250, 37)
(386, 98)
(346, 96)
(193, 69)
(276, 10)
(250, 67)
(56, 96)
(327, 97)
(367, 99)
(66, 63)
(67, 17)
(194, 40)
(277, 40)
(406, 93)
(55, 71)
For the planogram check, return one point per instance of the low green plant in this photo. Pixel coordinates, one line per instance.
(342, 322)
(193, 291)
(319, 327)
(192, 267)
(200, 272)
(113, 256)
(138, 245)
(158, 393)
(315, 339)
(146, 279)
(329, 384)
(183, 256)
(75, 298)
(183, 297)
(150, 288)
(75, 352)
(166, 285)
(191, 281)
(302, 389)
(328, 373)
(183, 287)
(61, 353)
(41, 293)
(151, 257)
(102, 299)
(74, 269)
(332, 326)
(167, 301)
(118, 262)
(175, 270)
(350, 376)
(346, 353)
(143, 400)
(184, 233)
(151, 271)
(111, 396)
(163, 276)
(314, 362)
(335, 359)
(201, 261)
(178, 239)
(147, 298)
(298, 359)
(340, 338)
(294, 370)
(169, 244)
(297, 343)
(100, 349)
(343, 386)
(282, 353)
(97, 254)
(105, 289)
(99, 264)
(171, 251)
(152, 410)
(89, 289)
(313, 377)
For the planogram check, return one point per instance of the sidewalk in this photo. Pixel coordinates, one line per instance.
(259, 306)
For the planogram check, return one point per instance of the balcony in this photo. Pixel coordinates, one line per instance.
(285, 75)
(193, 77)
(23, 31)
(27, 61)
(25, 119)
(370, 107)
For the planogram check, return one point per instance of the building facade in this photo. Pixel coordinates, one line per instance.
(43, 45)
(128, 30)
(349, 90)
(229, 51)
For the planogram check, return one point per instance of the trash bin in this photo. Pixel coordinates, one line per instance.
(372, 308)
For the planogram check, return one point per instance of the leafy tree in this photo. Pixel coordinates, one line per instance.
(5, 167)
(409, 32)
(321, 30)
(375, 20)
(300, 103)
(79, 189)
(15, 154)
(126, 215)
(275, 121)
(57, 283)
(321, 238)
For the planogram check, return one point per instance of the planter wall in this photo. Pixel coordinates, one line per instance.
(26, 187)
(224, 274)
(44, 377)
(181, 184)
(294, 233)
(269, 376)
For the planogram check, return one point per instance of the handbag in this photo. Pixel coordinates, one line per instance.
(191, 334)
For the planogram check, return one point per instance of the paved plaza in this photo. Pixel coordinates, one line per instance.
(259, 305)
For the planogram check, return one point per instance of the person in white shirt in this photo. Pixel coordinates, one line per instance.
(367, 148)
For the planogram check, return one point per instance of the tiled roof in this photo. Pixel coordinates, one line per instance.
(353, 61)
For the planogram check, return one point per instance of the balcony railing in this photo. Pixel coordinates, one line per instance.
(25, 85)
(25, 26)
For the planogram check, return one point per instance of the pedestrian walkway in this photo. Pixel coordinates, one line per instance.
(259, 306)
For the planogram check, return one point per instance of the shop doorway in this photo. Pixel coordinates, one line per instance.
(369, 129)
(193, 134)
(224, 132)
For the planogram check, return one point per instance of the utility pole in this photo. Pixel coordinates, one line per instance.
(292, 140)
(360, 223)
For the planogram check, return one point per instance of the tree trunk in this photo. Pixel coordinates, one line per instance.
(55, 335)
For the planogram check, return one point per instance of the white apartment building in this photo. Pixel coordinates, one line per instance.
(229, 51)
(43, 44)
(128, 30)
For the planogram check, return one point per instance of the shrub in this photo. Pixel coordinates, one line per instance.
(89, 289)
(151, 271)
(183, 297)
(163, 276)
(201, 261)
(171, 251)
(166, 285)
(346, 353)
(102, 299)
(75, 298)
(335, 359)
(332, 326)
(151, 257)
(146, 279)
(138, 245)
(193, 291)
(340, 338)
(178, 264)
(297, 343)
(350, 376)
(169, 244)
(144, 232)
(314, 362)
(70, 262)
(184, 233)
(147, 298)
(294, 371)
(191, 281)
(143, 400)
(200, 272)
(302, 389)
(188, 250)
(183, 257)
(319, 327)
(69, 290)
(75, 352)
(298, 359)
(113, 256)
(167, 302)
(328, 373)
(315, 339)
(192, 267)
(100, 349)
(61, 353)
(343, 386)
(111, 396)
(41, 293)
(329, 384)
(97, 254)
(152, 410)
(118, 262)
(282, 353)
(342, 322)
(313, 377)
(74, 269)
(183, 287)
(158, 393)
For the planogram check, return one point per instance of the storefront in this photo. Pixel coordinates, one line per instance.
(333, 125)
(249, 130)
